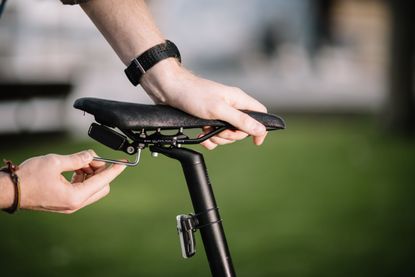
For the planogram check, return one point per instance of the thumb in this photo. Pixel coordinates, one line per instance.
(75, 161)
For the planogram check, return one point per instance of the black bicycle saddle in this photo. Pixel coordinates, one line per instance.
(133, 116)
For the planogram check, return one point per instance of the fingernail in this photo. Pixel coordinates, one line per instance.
(86, 156)
(258, 129)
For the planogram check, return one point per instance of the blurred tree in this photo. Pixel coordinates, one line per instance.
(400, 110)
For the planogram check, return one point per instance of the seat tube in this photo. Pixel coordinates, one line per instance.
(204, 203)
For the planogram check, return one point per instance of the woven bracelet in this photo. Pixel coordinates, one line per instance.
(11, 169)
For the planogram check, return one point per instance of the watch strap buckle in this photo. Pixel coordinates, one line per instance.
(139, 66)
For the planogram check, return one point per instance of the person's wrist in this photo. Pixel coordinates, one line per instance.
(159, 81)
(6, 191)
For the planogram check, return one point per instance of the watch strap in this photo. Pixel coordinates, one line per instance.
(149, 58)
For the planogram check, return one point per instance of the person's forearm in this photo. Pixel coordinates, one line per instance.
(127, 25)
(129, 28)
(6, 191)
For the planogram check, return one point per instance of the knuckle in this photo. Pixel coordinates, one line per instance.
(246, 122)
(237, 90)
(53, 159)
(244, 119)
(92, 152)
(213, 111)
(76, 159)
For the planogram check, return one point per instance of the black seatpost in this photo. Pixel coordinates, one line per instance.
(205, 208)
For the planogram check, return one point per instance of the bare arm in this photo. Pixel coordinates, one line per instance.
(129, 28)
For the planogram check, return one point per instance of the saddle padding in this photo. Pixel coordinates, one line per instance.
(134, 116)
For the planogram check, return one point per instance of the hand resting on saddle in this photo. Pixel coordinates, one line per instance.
(142, 125)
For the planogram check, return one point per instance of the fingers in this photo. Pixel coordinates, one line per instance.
(92, 167)
(88, 169)
(208, 144)
(220, 141)
(242, 101)
(230, 113)
(259, 140)
(245, 102)
(232, 135)
(87, 189)
(247, 124)
(98, 181)
(225, 137)
(82, 174)
(227, 134)
(78, 176)
(213, 142)
(96, 164)
(97, 196)
(241, 121)
(73, 161)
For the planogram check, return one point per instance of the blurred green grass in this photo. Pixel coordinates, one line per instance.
(326, 197)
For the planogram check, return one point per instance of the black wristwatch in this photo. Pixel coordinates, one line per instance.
(149, 58)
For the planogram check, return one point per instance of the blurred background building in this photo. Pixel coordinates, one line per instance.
(295, 56)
